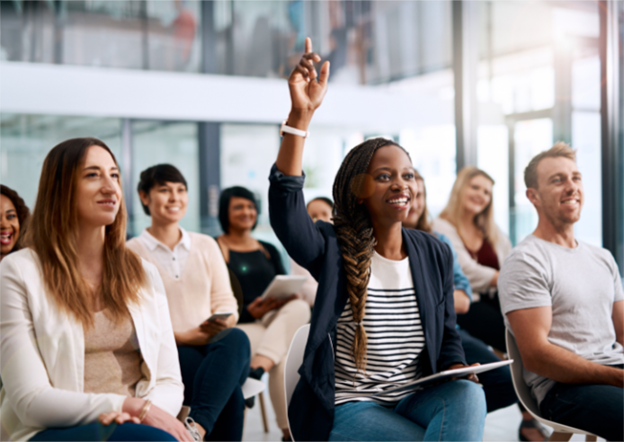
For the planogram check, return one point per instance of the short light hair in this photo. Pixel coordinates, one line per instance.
(560, 149)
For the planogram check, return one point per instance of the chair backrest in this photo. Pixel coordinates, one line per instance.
(294, 359)
(523, 392)
(252, 387)
(522, 389)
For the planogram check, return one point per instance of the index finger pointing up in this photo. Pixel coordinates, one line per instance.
(308, 45)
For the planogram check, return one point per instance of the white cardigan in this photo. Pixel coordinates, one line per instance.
(479, 276)
(42, 352)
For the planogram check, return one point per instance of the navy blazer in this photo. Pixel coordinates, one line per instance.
(315, 247)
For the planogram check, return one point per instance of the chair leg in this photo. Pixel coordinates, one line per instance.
(265, 421)
(558, 436)
(590, 438)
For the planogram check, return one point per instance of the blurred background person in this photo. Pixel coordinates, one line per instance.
(468, 221)
(269, 323)
(214, 357)
(319, 208)
(184, 27)
(13, 221)
(497, 384)
(87, 347)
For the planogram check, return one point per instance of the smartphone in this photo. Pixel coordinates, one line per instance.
(223, 315)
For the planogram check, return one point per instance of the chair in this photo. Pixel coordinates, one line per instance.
(294, 359)
(562, 432)
(253, 387)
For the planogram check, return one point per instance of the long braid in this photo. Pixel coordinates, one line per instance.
(354, 232)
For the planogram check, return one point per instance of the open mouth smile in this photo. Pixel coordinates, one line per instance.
(6, 238)
(400, 202)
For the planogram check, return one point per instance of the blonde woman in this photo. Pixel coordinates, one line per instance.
(468, 221)
(87, 347)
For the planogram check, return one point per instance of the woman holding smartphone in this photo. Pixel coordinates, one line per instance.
(383, 314)
(214, 357)
(87, 348)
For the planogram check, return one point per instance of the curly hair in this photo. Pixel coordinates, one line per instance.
(23, 214)
(354, 232)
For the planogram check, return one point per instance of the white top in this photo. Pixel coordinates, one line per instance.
(203, 287)
(43, 354)
(395, 336)
(580, 284)
(479, 275)
(172, 261)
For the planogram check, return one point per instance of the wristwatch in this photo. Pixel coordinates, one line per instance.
(291, 130)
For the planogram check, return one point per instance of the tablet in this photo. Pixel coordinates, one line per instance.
(445, 375)
(283, 286)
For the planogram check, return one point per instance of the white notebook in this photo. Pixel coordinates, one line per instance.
(283, 286)
(458, 372)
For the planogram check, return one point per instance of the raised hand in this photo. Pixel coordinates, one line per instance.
(307, 88)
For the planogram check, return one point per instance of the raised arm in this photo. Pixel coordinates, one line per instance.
(298, 234)
(307, 90)
(531, 327)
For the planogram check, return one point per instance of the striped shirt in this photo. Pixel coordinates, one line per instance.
(395, 336)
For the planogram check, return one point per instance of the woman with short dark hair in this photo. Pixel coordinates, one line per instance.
(214, 356)
(13, 221)
(269, 323)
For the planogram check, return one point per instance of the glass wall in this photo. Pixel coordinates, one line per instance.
(26, 140)
(368, 42)
(538, 82)
(135, 34)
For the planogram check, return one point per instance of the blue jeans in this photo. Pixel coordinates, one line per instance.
(453, 410)
(497, 384)
(213, 375)
(595, 408)
(98, 432)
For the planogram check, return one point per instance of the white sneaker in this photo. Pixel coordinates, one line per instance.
(189, 423)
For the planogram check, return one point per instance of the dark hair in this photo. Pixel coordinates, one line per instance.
(354, 232)
(158, 175)
(22, 211)
(224, 205)
(326, 200)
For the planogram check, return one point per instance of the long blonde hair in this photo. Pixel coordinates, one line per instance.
(53, 236)
(452, 212)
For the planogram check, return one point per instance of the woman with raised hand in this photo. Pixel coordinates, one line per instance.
(13, 221)
(269, 323)
(384, 313)
(497, 384)
(468, 221)
(214, 356)
(87, 347)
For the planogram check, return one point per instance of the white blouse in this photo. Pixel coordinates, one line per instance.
(43, 354)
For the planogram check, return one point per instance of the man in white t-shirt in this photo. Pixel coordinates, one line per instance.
(564, 302)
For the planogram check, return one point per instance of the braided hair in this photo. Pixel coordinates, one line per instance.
(354, 232)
